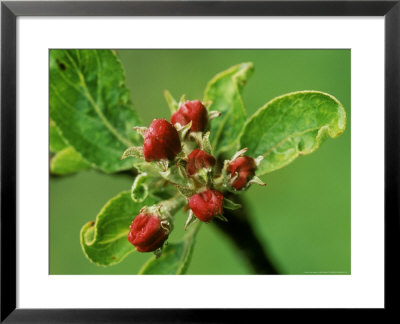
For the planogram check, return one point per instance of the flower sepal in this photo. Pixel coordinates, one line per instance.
(213, 114)
(133, 151)
(229, 204)
(190, 220)
(183, 130)
(238, 173)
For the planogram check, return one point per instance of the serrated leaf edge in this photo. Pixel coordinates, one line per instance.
(90, 224)
(322, 130)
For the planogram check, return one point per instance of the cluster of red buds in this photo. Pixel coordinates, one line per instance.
(180, 152)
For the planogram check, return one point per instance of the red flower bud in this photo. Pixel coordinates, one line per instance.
(161, 141)
(246, 167)
(207, 204)
(197, 160)
(191, 111)
(146, 233)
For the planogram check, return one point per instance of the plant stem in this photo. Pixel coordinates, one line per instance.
(239, 230)
(173, 204)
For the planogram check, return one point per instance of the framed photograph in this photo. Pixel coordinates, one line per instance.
(193, 161)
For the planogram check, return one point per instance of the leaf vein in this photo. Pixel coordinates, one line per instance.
(96, 107)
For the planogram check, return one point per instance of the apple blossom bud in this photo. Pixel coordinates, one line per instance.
(207, 204)
(197, 160)
(243, 168)
(161, 141)
(191, 111)
(148, 233)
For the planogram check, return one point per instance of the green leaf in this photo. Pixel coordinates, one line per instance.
(105, 242)
(224, 91)
(292, 125)
(171, 102)
(175, 257)
(176, 174)
(140, 188)
(57, 142)
(90, 105)
(67, 161)
(162, 189)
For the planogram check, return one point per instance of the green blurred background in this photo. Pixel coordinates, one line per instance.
(303, 215)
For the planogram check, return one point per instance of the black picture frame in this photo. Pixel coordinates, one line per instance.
(10, 10)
